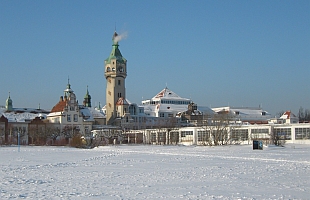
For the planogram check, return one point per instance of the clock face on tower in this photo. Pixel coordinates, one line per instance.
(120, 69)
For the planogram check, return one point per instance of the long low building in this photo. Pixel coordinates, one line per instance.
(235, 134)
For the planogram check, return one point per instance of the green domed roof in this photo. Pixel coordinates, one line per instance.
(115, 53)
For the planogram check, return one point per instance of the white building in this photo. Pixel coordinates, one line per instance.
(165, 104)
(289, 118)
(246, 114)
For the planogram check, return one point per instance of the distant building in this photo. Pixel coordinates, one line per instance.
(14, 121)
(165, 104)
(289, 118)
(74, 118)
(246, 114)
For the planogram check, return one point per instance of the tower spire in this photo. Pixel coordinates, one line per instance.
(68, 89)
(9, 103)
(87, 99)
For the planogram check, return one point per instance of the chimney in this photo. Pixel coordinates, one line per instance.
(61, 98)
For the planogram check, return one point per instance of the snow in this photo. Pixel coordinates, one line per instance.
(149, 172)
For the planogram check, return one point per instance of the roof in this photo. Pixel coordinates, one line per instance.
(122, 101)
(248, 114)
(288, 115)
(165, 101)
(96, 113)
(22, 114)
(60, 106)
(115, 53)
(167, 93)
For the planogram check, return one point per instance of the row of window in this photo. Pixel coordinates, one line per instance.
(302, 133)
(75, 118)
(163, 114)
(185, 133)
(167, 102)
(175, 102)
(239, 134)
(284, 133)
(161, 137)
(238, 113)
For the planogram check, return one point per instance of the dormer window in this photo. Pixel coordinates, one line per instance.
(263, 113)
(237, 113)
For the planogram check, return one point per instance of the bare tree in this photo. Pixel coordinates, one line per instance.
(2, 134)
(52, 132)
(303, 115)
(280, 113)
(277, 138)
(218, 127)
(70, 131)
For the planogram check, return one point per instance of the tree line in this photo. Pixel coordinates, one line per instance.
(304, 115)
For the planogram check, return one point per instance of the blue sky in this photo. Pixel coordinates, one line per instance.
(218, 53)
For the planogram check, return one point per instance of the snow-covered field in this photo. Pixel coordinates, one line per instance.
(151, 172)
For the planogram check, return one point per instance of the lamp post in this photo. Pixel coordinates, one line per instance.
(18, 135)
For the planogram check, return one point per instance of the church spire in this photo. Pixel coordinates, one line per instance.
(87, 99)
(68, 90)
(9, 103)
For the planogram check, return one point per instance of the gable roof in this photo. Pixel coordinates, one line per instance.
(60, 106)
(167, 93)
(122, 101)
(288, 115)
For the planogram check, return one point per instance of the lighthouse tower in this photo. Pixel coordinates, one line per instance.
(115, 72)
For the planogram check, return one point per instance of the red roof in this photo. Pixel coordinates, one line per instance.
(122, 101)
(288, 114)
(60, 106)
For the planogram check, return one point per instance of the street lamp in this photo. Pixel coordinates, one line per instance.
(18, 135)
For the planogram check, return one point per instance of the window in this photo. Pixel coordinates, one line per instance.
(185, 133)
(283, 133)
(153, 137)
(203, 136)
(170, 115)
(237, 112)
(75, 118)
(239, 134)
(302, 133)
(186, 136)
(161, 114)
(161, 136)
(119, 82)
(262, 133)
(69, 118)
(263, 113)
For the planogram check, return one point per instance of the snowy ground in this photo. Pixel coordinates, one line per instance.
(149, 172)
